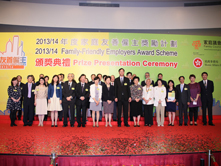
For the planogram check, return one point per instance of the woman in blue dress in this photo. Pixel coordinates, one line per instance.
(171, 102)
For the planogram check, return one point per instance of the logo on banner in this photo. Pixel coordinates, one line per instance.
(13, 57)
(198, 62)
(196, 44)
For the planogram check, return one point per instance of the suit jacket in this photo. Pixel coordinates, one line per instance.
(66, 92)
(92, 92)
(58, 91)
(131, 82)
(25, 92)
(143, 83)
(163, 82)
(122, 89)
(90, 83)
(85, 94)
(184, 96)
(21, 86)
(108, 94)
(207, 93)
(101, 83)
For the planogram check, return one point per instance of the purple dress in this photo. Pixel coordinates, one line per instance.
(194, 90)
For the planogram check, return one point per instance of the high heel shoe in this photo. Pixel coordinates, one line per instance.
(52, 125)
(110, 125)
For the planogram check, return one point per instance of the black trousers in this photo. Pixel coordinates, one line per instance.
(123, 103)
(66, 105)
(148, 114)
(183, 109)
(20, 111)
(82, 107)
(60, 115)
(193, 111)
(28, 112)
(13, 116)
(206, 104)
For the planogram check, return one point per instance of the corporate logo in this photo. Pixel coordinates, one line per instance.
(13, 57)
(196, 44)
(198, 62)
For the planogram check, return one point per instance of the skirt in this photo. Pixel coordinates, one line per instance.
(108, 108)
(54, 105)
(94, 107)
(136, 108)
(41, 107)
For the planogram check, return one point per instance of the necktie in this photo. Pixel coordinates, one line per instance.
(121, 80)
(69, 86)
(82, 86)
(205, 84)
(181, 88)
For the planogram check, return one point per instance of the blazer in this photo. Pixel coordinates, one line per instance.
(144, 84)
(21, 86)
(101, 83)
(207, 93)
(147, 95)
(85, 94)
(92, 92)
(159, 94)
(66, 92)
(182, 97)
(108, 94)
(121, 89)
(58, 91)
(25, 92)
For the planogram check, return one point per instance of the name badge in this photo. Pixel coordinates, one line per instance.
(162, 85)
(58, 87)
(185, 88)
(139, 88)
(21, 88)
(61, 87)
(125, 84)
(151, 85)
(173, 91)
(37, 89)
(97, 88)
(15, 90)
(33, 90)
(86, 89)
(149, 89)
(162, 91)
(72, 88)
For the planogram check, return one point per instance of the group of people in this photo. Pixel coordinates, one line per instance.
(62, 98)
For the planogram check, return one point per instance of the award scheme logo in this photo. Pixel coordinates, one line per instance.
(198, 62)
(13, 57)
(196, 44)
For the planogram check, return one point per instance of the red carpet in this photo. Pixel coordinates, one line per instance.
(108, 141)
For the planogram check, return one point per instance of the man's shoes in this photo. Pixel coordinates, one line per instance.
(119, 125)
(14, 124)
(11, 125)
(204, 124)
(79, 125)
(211, 124)
(185, 124)
(127, 125)
(180, 124)
(24, 125)
(72, 125)
(64, 125)
(83, 125)
(30, 124)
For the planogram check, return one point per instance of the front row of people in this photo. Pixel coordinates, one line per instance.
(57, 97)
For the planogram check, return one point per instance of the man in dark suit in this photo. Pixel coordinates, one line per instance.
(130, 77)
(82, 95)
(115, 103)
(160, 76)
(28, 104)
(102, 84)
(147, 75)
(19, 78)
(182, 100)
(207, 89)
(61, 78)
(69, 97)
(122, 96)
(92, 79)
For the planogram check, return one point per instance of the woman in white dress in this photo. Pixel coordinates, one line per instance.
(41, 93)
(54, 99)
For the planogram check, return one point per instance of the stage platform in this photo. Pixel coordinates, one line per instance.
(141, 142)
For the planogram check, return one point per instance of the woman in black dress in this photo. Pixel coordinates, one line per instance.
(171, 102)
(13, 104)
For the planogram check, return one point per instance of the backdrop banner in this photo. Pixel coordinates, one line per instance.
(79, 52)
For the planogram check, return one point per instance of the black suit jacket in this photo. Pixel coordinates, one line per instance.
(25, 93)
(101, 83)
(122, 88)
(85, 93)
(143, 83)
(108, 94)
(21, 86)
(183, 97)
(66, 92)
(90, 83)
(207, 93)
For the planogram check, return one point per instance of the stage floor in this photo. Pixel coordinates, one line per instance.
(106, 140)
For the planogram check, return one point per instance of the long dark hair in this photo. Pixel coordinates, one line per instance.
(13, 79)
(168, 84)
(52, 81)
(41, 78)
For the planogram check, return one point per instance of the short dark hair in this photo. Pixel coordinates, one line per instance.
(159, 74)
(160, 81)
(129, 73)
(92, 75)
(41, 74)
(121, 69)
(136, 78)
(192, 75)
(30, 76)
(96, 78)
(104, 76)
(99, 74)
(107, 78)
(13, 79)
(79, 79)
(62, 74)
(52, 82)
(169, 82)
(204, 73)
(181, 77)
(19, 76)
(41, 78)
(46, 77)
